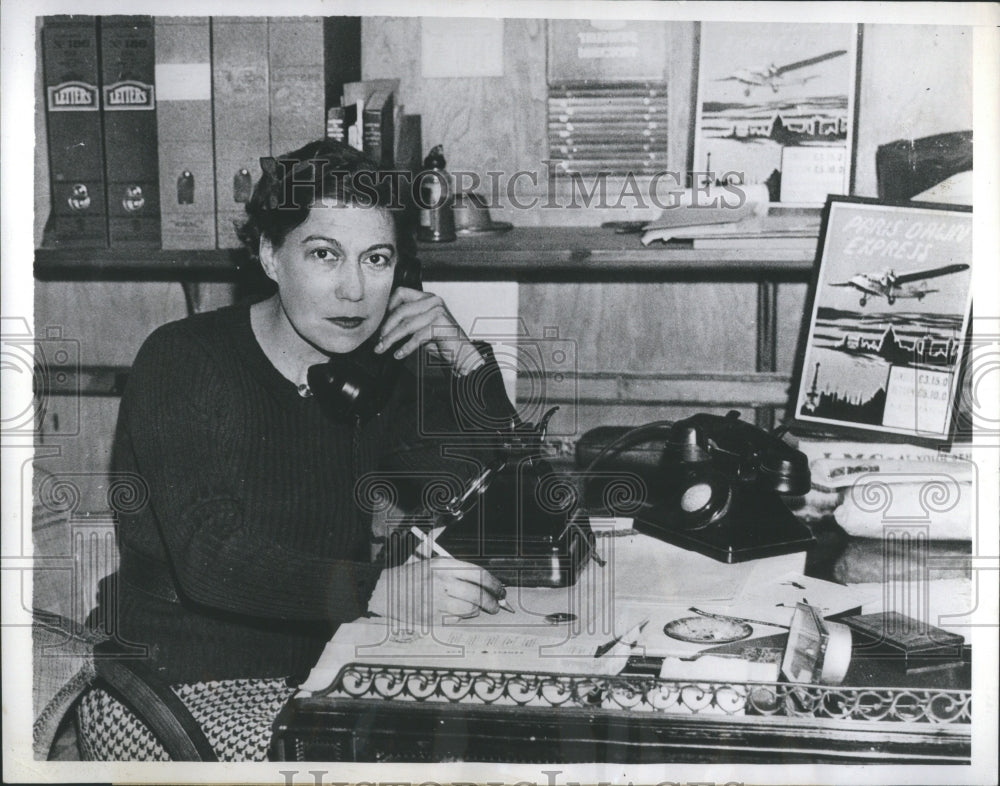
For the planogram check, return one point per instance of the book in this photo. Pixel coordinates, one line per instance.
(184, 129)
(354, 128)
(360, 90)
(339, 119)
(295, 81)
(72, 108)
(377, 129)
(356, 94)
(131, 158)
(920, 645)
(408, 155)
(409, 143)
(240, 113)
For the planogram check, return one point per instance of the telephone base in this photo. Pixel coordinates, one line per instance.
(757, 525)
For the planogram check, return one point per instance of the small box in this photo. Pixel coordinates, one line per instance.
(920, 645)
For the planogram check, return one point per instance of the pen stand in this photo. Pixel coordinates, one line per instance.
(524, 529)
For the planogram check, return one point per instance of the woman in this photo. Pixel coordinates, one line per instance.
(253, 546)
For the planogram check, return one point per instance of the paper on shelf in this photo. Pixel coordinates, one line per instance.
(704, 206)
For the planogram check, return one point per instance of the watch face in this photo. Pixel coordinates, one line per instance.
(707, 630)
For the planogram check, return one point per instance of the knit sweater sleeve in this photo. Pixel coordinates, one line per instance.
(177, 421)
(447, 423)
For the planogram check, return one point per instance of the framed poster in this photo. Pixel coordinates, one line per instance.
(891, 306)
(775, 106)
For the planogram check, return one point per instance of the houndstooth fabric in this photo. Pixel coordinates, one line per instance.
(236, 716)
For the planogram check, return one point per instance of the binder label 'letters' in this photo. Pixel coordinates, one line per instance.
(129, 94)
(73, 97)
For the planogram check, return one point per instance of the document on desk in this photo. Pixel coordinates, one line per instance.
(646, 570)
(641, 580)
(480, 647)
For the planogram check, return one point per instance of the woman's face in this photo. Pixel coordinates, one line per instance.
(334, 274)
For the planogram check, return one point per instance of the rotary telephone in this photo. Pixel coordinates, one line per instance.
(358, 383)
(712, 485)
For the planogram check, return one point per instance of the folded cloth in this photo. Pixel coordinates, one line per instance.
(866, 560)
(813, 505)
(936, 506)
(837, 473)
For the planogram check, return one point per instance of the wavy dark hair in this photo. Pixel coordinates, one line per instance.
(325, 169)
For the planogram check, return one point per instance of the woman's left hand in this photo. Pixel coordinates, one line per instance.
(424, 317)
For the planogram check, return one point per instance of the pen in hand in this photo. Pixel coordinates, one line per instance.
(430, 544)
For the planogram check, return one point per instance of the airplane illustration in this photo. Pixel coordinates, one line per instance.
(773, 76)
(890, 284)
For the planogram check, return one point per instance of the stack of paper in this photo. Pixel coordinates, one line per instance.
(785, 231)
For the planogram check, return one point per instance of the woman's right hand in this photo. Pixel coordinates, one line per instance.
(421, 592)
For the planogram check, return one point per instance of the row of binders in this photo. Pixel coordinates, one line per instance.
(156, 126)
(607, 128)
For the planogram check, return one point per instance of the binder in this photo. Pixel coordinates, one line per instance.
(297, 100)
(240, 115)
(184, 125)
(76, 161)
(128, 101)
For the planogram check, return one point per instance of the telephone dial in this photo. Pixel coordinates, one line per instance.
(712, 484)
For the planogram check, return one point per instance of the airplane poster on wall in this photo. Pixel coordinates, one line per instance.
(775, 106)
(891, 308)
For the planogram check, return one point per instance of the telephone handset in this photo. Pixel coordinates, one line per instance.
(357, 384)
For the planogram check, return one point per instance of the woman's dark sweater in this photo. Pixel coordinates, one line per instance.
(249, 540)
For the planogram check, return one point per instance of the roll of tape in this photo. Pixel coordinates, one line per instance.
(837, 656)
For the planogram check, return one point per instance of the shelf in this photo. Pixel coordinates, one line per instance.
(522, 254)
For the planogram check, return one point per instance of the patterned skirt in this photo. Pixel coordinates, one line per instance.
(236, 716)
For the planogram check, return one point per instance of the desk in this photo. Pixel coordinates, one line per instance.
(394, 713)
